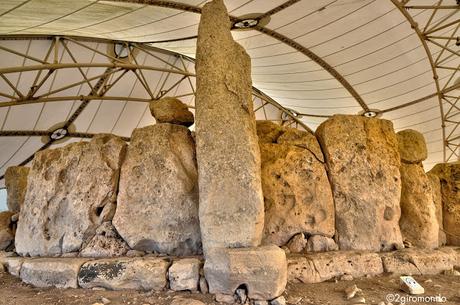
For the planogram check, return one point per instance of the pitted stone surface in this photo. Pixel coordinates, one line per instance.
(70, 192)
(418, 222)
(412, 146)
(363, 162)
(320, 267)
(106, 243)
(125, 273)
(297, 193)
(51, 272)
(171, 110)
(158, 199)
(13, 264)
(262, 270)
(184, 274)
(231, 201)
(449, 175)
(16, 186)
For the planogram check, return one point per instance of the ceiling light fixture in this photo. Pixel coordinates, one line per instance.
(246, 23)
(58, 134)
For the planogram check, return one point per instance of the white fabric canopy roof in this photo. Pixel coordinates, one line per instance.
(318, 58)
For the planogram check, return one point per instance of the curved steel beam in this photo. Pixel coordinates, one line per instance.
(414, 26)
(288, 41)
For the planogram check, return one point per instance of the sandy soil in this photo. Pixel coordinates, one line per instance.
(14, 292)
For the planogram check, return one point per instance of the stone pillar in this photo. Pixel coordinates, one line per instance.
(418, 222)
(363, 163)
(437, 199)
(16, 186)
(231, 201)
(449, 174)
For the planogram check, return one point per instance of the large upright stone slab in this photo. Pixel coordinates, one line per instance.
(71, 191)
(158, 199)
(449, 175)
(418, 222)
(297, 193)
(363, 161)
(437, 199)
(16, 186)
(231, 201)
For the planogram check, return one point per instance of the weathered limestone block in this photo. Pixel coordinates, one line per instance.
(51, 272)
(449, 175)
(319, 243)
(70, 192)
(419, 261)
(262, 270)
(320, 267)
(412, 146)
(16, 186)
(297, 193)
(124, 273)
(184, 274)
(171, 110)
(231, 200)
(106, 243)
(6, 230)
(418, 221)
(363, 162)
(437, 199)
(297, 243)
(158, 199)
(13, 264)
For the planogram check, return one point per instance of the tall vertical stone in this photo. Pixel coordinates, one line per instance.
(449, 175)
(231, 202)
(437, 199)
(16, 186)
(418, 221)
(363, 163)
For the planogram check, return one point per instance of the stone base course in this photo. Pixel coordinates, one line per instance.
(152, 273)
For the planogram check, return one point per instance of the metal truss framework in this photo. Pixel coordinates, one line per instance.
(440, 40)
(115, 69)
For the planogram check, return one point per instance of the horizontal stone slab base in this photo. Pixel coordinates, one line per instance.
(128, 273)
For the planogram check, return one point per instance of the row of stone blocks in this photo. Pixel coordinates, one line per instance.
(178, 274)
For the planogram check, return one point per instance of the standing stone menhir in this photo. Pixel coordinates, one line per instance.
(418, 223)
(363, 162)
(158, 199)
(231, 201)
(16, 185)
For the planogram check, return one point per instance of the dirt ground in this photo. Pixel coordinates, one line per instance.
(375, 290)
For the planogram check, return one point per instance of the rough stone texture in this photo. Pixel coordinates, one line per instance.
(363, 162)
(106, 243)
(7, 229)
(125, 273)
(171, 110)
(158, 199)
(262, 270)
(231, 200)
(184, 274)
(297, 243)
(419, 261)
(449, 175)
(319, 267)
(437, 199)
(13, 264)
(16, 186)
(297, 193)
(319, 243)
(70, 192)
(51, 272)
(418, 221)
(412, 146)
